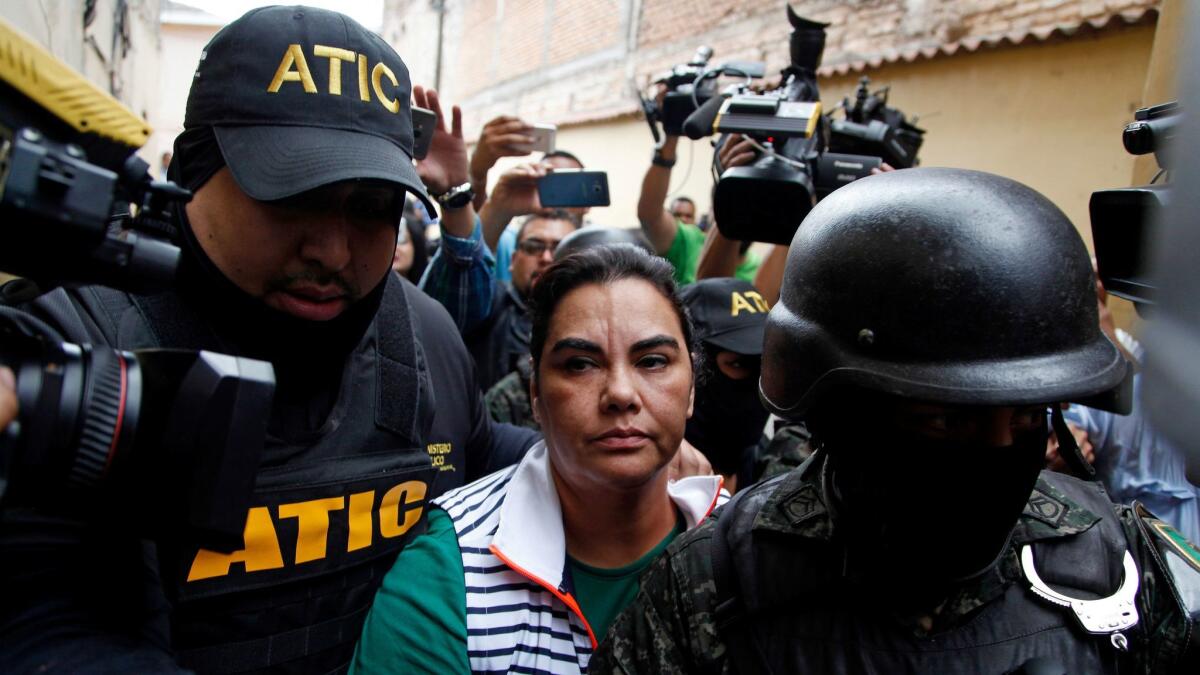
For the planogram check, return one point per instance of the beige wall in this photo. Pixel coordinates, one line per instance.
(1048, 115)
(181, 47)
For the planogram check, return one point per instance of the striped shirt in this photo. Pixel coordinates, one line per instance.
(522, 616)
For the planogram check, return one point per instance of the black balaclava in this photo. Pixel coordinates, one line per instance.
(921, 515)
(308, 355)
(727, 416)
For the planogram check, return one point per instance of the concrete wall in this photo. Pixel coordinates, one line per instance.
(118, 51)
(181, 47)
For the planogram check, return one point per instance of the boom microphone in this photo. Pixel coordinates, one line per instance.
(700, 123)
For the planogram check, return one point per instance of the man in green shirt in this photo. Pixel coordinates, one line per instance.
(673, 237)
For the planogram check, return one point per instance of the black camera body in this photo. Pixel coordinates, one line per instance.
(1124, 220)
(805, 153)
(101, 430)
(689, 86)
(685, 89)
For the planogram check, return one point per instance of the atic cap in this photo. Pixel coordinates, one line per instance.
(300, 98)
(727, 313)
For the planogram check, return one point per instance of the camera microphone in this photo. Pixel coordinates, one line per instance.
(700, 123)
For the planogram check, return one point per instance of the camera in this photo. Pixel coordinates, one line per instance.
(167, 441)
(102, 430)
(804, 152)
(688, 86)
(1124, 220)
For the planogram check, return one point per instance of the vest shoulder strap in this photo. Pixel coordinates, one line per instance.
(730, 612)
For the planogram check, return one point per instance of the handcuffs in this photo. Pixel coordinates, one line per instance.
(1102, 616)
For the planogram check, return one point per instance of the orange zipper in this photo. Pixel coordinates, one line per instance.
(565, 598)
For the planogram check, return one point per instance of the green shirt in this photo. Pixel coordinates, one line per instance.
(684, 256)
(603, 593)
(748, 268)
(418, 623)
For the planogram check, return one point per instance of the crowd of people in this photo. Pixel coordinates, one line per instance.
(912, 441)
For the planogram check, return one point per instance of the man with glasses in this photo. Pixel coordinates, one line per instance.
(491, 312)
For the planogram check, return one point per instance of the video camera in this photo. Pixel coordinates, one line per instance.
(1124, 220)
(102, 430)
(804, 153)
(689, 86)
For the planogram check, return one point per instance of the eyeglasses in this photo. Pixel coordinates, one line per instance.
(536, 246)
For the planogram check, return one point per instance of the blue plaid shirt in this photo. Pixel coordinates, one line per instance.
(461, 276)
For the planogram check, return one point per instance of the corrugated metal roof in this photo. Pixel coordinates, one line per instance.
(1025, 35)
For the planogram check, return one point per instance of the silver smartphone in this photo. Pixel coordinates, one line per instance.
(424, 122)
(543, 139)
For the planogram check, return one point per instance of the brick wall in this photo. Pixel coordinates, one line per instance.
(574, 61)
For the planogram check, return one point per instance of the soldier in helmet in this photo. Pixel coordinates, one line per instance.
(929, 321)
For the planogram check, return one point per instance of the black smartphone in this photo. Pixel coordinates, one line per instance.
(566, 188)
(424, 122)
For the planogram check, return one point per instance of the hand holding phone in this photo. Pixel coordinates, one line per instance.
(543, 136)
(573, 188)
(424, 123)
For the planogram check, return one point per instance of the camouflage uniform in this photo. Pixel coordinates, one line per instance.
(672, 628)
(508, 400)
(786, 450)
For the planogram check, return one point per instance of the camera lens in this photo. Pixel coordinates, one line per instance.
(79, 408)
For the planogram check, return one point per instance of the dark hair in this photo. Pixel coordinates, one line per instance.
(683, 199)
(556, 214)
(601, 265)
(564, 154)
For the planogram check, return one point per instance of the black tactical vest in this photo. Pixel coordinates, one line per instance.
(329, 514)
(785, 605)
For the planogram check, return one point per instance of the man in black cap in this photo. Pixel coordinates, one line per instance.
(727, 419)
(298, 145)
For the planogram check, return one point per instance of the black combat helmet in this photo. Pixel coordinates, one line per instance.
(943, 285)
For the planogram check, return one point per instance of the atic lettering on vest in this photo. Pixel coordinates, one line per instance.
(399, 509)
(750, 301)
(293, 67)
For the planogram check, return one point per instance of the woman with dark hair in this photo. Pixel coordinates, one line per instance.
(412, 250)
(525, 569)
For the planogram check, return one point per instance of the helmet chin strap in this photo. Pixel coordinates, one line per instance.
(1068, 449)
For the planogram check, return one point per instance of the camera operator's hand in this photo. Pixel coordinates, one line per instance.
(8, 397)
(737, 151)
(514, 195)
(499, 138)
(883, 167)
(445, 166)
(660, 93)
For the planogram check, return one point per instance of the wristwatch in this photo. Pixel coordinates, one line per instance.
(457, 196)
(659, 160)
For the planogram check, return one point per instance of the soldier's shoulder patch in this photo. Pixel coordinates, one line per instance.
(1045, 507)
